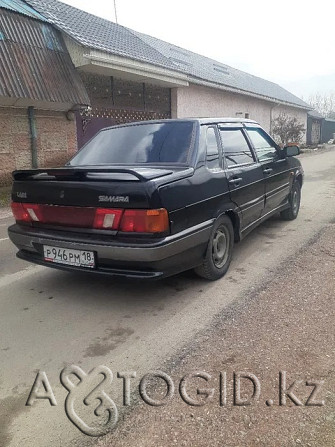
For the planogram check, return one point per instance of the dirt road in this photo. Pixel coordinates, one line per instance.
(284, 329)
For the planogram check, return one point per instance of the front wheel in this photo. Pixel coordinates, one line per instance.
(219, 251)
(291, 213)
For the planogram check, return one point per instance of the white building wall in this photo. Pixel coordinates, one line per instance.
(199, 101)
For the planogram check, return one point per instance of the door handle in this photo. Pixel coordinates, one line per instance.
(267, 171)
(236, 181)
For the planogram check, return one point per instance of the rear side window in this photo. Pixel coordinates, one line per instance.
(169, 142)
(212, 157)
(236, 149)
(265, 149)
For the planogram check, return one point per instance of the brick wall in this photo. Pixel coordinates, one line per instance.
(56, 140)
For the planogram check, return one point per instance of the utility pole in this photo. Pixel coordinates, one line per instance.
(115, 11)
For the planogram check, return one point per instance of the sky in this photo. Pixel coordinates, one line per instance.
(290, 42)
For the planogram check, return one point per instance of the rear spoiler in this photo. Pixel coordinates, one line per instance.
(87, 173)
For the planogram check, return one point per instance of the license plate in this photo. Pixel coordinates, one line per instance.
(77, 258)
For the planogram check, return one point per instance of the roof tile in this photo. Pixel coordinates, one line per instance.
(101, 34)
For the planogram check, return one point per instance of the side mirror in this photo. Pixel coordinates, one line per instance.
(291, 150)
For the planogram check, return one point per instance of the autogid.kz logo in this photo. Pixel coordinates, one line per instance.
(78, 395)
(90, 408)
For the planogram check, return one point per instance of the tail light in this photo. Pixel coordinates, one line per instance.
(107, 219)
(73, 216)
(26, 212)
(145, 221)
(129, 221)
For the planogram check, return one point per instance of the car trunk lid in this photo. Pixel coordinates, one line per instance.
(90, 186)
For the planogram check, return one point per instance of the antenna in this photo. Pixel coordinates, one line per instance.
(115, 11)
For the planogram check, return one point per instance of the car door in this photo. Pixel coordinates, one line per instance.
(275, 168)
(244, 174)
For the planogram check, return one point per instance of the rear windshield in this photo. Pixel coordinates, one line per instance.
(140, 144)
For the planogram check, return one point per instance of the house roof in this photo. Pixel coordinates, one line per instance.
(315, 114)
(35, 64)
(21, 7)
(94, 32)
(207, 69)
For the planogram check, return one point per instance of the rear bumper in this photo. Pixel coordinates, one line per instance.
(145, 259)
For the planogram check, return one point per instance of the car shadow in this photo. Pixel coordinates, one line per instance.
(117, 289)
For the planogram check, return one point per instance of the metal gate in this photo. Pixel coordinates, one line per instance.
(316, 132)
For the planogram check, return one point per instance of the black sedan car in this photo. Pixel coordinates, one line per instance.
(151, 199)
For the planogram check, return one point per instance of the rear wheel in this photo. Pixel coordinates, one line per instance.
(292, 212)
(219, 250)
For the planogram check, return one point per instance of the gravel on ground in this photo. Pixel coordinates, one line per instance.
(285, 326)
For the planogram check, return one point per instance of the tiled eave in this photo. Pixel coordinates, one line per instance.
(100, 62)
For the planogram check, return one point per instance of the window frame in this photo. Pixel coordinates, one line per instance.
(240, 128)
(268, 138)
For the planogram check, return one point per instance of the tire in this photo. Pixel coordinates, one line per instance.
(292, 212)
(219, 251)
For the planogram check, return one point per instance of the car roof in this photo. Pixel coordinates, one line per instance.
(200, 121)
